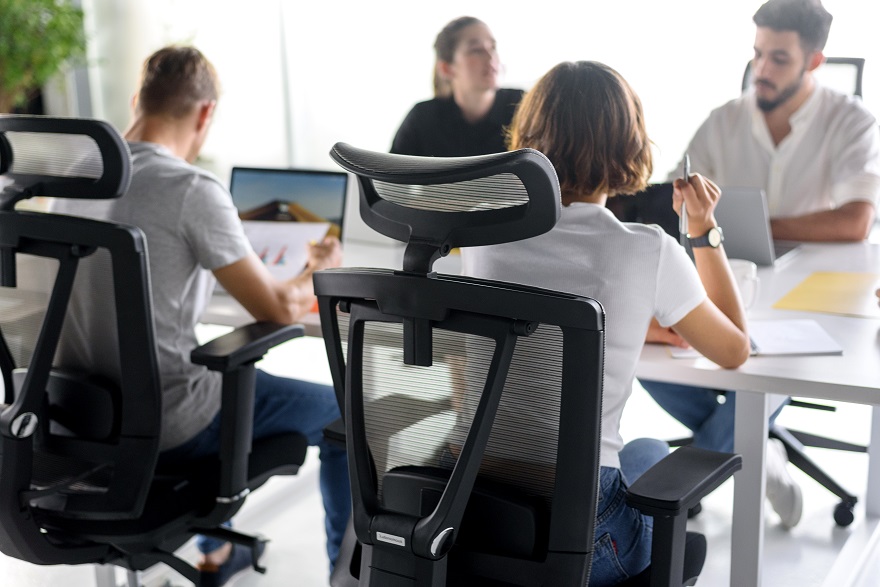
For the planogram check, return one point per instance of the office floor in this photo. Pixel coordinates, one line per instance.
(288, 510)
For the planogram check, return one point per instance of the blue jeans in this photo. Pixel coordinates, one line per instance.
(289, 405)
(697, 408)
(622, 546)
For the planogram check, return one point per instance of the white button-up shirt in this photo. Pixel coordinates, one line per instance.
(830, 157)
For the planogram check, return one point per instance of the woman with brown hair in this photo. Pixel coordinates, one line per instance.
(589, 122)
(469, 112)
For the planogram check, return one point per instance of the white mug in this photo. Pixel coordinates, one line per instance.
(746, 275)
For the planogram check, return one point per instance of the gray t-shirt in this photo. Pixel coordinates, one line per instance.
(191, 227)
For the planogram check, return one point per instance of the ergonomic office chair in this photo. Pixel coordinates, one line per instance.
(845, 75)
(79, 482)
(472, 408)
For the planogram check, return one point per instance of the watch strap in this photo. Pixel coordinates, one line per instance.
(705, 240)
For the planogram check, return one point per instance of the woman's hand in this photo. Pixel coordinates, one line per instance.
(701, 196)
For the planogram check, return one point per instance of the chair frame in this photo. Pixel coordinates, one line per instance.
(505, 312)
(133, 524)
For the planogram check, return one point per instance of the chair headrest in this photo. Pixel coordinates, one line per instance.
(438, 203)
(61, 158)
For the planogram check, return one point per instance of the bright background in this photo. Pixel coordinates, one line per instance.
(298, 76)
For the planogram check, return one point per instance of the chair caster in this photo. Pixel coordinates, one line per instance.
(843, 514)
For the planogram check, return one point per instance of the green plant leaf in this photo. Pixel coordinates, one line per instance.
(37, 38)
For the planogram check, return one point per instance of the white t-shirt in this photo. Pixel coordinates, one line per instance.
(635, 271)
(830, 158)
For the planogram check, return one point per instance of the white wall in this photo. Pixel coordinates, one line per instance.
(355, 68)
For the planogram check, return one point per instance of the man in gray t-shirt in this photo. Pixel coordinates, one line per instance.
(194, 236)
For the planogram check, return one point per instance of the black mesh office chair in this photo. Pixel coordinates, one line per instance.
(472, 408)
(79, 482)
(845, 75)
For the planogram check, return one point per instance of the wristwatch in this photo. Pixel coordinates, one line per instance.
(713, 238)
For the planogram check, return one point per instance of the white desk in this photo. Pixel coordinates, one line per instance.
(852, 377)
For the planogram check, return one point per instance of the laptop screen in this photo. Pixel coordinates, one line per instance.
(290, 195)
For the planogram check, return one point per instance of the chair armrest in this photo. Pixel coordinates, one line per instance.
(681, 480)
(234, 355)
(244, 345)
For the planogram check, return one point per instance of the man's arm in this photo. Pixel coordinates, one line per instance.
(266, 298)
(850, 222)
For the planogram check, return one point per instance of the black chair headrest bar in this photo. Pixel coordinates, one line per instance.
(436, 204)
(62, 158)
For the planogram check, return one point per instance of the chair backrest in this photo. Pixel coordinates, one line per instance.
(843, 74)
(472, 407)
(76, 443)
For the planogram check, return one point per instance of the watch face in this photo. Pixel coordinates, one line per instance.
(714, 237)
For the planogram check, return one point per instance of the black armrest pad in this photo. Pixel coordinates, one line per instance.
(681, 480)
(244, 345)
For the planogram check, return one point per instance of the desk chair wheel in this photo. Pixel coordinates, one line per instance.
(843, 513)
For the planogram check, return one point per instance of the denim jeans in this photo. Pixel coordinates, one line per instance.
(622, 546)
(289, 405)
(697, 408)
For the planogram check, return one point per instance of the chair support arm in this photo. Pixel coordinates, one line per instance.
(234, 355)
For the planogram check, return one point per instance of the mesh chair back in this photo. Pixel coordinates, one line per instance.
(79, 439)
(495, 415)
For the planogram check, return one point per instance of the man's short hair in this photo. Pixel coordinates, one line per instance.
(808, 18)
(174, 81)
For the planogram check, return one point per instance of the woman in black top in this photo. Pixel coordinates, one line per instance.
(468, 113)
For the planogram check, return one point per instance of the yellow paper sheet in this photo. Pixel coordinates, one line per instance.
(835, 292)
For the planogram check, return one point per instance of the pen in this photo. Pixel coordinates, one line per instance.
(683, 219)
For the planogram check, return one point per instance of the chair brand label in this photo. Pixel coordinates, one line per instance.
(391, 539)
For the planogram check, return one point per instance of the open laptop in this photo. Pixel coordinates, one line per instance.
(290, 195)
(283, 209)
(741, 212)
(743, 215)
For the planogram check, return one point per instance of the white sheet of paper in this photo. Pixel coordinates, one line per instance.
(782, 337)
(283, 246)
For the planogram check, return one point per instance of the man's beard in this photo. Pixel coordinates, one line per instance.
(769, 105)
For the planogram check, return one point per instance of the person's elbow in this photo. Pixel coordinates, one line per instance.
(859, 221)
(736, 353)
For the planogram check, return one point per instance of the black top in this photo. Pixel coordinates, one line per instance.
(437, 128)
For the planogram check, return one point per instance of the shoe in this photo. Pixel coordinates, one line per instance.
(784, 493)
(239, 559)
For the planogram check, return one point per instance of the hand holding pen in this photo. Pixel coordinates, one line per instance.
(683, 219)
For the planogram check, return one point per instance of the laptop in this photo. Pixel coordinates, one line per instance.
(743, 215)
(283, 209)
(741, 212)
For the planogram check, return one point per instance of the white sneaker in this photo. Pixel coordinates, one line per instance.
(782, 490)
